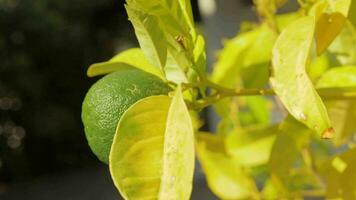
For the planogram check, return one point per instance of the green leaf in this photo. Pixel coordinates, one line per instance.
(127, 59)
(342, 112)
(225, 177)
(152, 155)
(251, 146)
(290, 80)
(150, 37)
(339, 174)
(330, 23)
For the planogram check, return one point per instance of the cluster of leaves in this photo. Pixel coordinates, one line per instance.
(265, 147)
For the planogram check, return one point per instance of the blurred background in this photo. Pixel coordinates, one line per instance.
(46, 47)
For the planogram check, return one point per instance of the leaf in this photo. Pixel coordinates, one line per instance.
(327, 28)
(267, 8)
(342, 112)
(175, 15)
(252, 146)
(200, 55)
(329, 24)
(150, 37)
(283, 20)
(344, 46)
(175, 21)
(247, 52)
(292, 137)
(177, 64)
(224, 175)
(178, 153)
(127, 59)
(352, 14)
(290, 80)
(152, 155)
(339, 175)
(240, 52)
(318, 66)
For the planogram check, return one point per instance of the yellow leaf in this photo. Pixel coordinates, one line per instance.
(224, 175)
(152, 155)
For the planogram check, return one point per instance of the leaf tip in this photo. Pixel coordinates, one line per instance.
(328, 133)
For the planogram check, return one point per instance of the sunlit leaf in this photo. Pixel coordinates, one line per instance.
(150, 37)
(342, 112)
(175, 25)
(290, 80)
(152, 155)
(251, 147)
(339, 174)
(176, 15)
(178, 153)
(224, 175)
(124, 60)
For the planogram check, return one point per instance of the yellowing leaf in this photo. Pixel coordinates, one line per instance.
(178, 152)
(224, 175)
(152, 156)
(290, 80)
(149, 36)
(318, 66)
(247, 53)
(329, 22)
(127, 59)
(251, 147)
(327, 28)
(352, 14)
(245, 50)
(339, 175)
(169, 26)
(292, 136)
(344, 46)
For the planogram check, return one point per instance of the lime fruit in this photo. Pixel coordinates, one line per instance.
(108, 99)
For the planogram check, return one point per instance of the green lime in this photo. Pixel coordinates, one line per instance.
(108, 99)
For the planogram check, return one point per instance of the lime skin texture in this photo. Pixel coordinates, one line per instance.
(108, 99)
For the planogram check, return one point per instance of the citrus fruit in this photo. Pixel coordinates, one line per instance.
(108, 99)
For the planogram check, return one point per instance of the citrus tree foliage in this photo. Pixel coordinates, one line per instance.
(284, 89)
